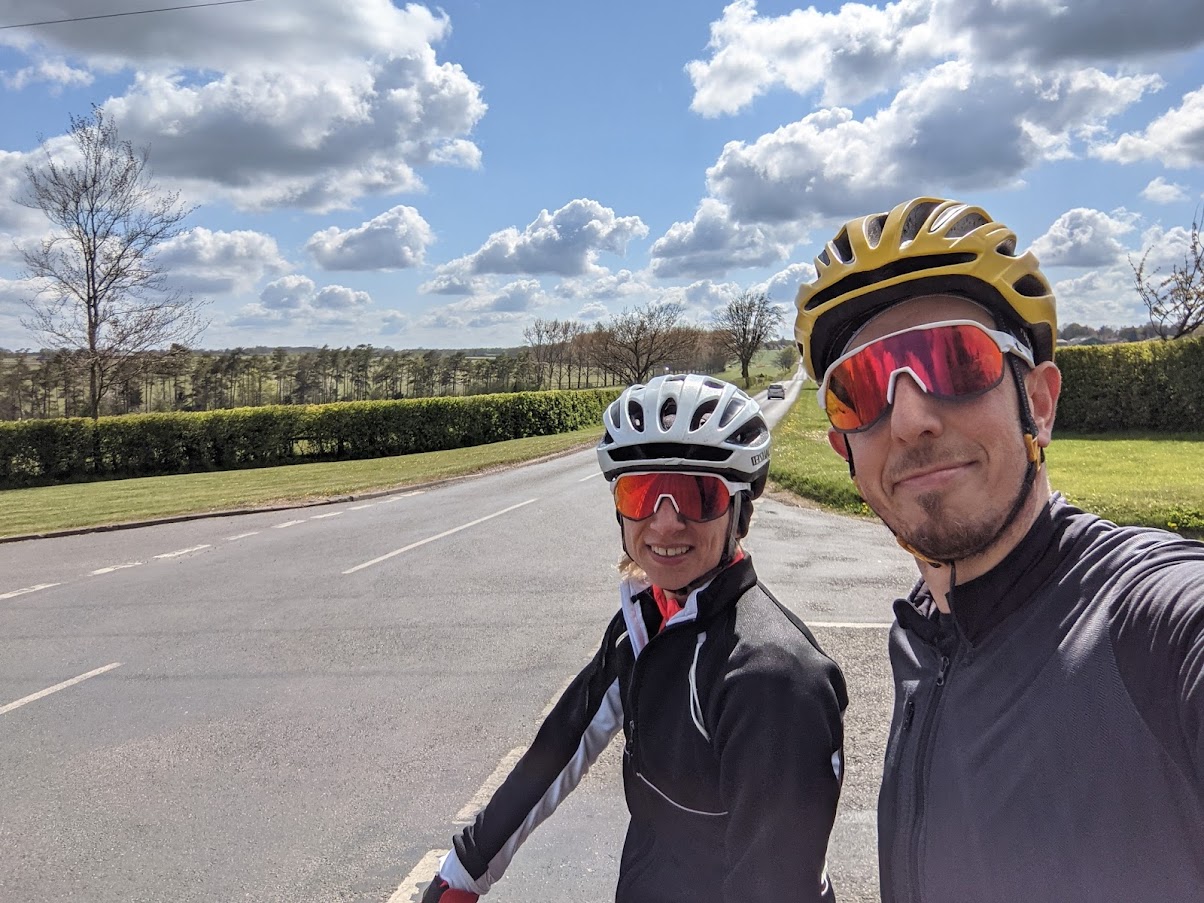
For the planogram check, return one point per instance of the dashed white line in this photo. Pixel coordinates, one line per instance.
(242, 536)
(287, 523)
(359, 507)
(64, 685)
(328, 514)
(398, 498)
(422, 542)
(407, 891)
(180, 552)
(590, 477)
(28, 589)
(115, 567)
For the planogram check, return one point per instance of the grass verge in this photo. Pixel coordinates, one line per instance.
(1143, 479)
(49, 508)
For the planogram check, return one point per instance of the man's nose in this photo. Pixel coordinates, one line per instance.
(913, 411)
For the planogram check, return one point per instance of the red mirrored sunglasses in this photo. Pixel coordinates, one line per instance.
(695, 496)
(949, 359)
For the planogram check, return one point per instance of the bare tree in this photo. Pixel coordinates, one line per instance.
(100, 288)
(539, 336)
(633, 344)
(1175, 302)
(744, 324)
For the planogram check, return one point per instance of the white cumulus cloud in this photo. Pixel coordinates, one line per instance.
(565, 242)
(1160, 191)
(713, 243)
(1083, 237)
(351, 100)
(396, 239)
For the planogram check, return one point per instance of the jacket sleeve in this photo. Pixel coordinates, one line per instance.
(580, 725)
(780, 737)
(1157, 631)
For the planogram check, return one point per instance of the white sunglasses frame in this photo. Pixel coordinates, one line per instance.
(732, 489)
(1005, 341)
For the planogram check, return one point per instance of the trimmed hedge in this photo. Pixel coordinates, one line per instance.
(1142, 386)
(37, 452)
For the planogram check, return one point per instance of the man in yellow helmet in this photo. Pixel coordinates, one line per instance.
(1047, 742)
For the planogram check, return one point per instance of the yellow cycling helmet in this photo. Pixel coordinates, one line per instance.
(921, 247)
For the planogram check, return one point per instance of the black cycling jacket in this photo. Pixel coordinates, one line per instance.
(1047, 742)
(733, 760)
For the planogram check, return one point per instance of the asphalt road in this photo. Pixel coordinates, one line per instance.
(298, 706)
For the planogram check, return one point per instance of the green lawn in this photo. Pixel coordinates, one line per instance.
(49, 508)
(1146, 479)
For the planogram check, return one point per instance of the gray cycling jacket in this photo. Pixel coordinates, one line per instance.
(1047, 742)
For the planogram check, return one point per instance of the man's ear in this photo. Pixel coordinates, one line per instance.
(837, 441)
(1043, 384)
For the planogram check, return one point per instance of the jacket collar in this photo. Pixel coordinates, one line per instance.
(643, 617)
(982, 604)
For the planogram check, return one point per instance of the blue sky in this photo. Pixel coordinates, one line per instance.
(441, 176)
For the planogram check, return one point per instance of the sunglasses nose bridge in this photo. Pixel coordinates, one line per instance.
(893, 379)
(672, 501)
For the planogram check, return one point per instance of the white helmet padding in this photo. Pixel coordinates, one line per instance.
(686, 422)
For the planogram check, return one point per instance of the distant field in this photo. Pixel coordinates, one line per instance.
(763, 370)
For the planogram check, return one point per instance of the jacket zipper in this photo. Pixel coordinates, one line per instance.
(629, 746)
(925, 746)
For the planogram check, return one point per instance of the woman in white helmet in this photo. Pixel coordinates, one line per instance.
(732, 714)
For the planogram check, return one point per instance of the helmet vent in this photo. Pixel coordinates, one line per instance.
(1030, 286)
(843, 249)
(703, 413)
(873, 229)
(750, 434)
(635, 413)
(668, 413)
(916, 217)
(1007, 247)
(734, 407)
(966, 225)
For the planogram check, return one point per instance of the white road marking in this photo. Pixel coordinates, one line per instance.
(492, 783)
(287, 523)
(28, 589)
(417, 879)
(422, 542)
(182, 551)
(398, 498)
(115, 567)
(242, 536)
(863, 625)
(359, 507)
(64, 685)
(320, 516)
(590, 477)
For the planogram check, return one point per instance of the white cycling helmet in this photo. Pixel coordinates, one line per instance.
(686, 422)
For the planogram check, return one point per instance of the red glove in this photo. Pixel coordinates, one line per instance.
(440, 891)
